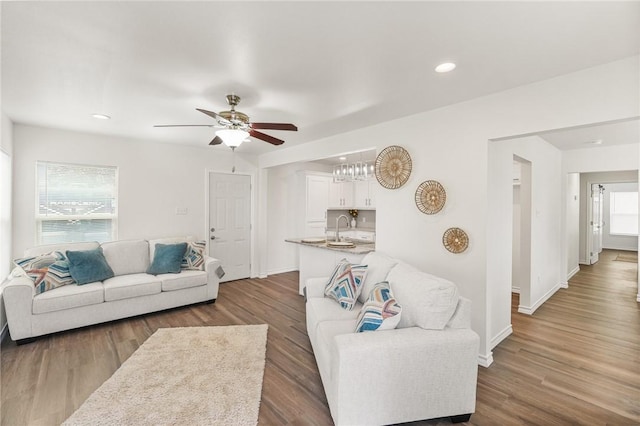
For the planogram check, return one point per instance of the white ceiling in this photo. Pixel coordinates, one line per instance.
(328, 67)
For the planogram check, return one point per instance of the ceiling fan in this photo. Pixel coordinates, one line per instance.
(236, 127)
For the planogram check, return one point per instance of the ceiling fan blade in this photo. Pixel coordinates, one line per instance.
(266, 138)
(212, 114)
(184, 125)
(216, 141)
(275, 126)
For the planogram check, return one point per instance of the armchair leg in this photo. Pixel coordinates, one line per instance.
(460, 418)
(210, 302)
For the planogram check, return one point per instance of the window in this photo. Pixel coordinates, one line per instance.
(76, 203)
(623, 219)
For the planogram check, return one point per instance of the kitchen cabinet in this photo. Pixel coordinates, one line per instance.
(365, 194)
(341, 194)
(317, 198)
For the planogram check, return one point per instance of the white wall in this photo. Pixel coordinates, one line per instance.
(451, 145)
(153, 180)
(6, 145)
(541, 274)
(618, 242)
(586, 179)
(573, 223)
(284, 212)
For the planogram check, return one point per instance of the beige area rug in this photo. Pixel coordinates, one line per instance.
(184, 376)
(631, 257)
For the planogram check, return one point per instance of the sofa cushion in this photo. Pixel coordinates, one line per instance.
(345, 283)
(378, 267)
(88, 266)
(184, 279)
(320, 309)
(193, 258)
(67, 297)
(127, 257)
(61, 247)
(131, 285)
(380, 311)
(167, 258)
(427, 301)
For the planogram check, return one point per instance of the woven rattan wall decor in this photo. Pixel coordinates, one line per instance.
(455, 240)
(393, 167)
(430, 197)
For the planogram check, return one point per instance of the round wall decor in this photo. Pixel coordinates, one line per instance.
(455, 240)
(393, 167)
(430, 197)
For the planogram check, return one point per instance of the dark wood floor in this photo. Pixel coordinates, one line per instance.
(575, 361)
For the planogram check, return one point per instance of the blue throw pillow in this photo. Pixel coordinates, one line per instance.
(87, 266)
(167, 259)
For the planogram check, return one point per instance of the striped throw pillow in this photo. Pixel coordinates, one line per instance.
(380, 311)
(194, 256)
(345, 283)
(47, 271)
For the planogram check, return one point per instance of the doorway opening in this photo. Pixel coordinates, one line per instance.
(521, 244)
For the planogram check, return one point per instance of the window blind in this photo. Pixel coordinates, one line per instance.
(76, 203)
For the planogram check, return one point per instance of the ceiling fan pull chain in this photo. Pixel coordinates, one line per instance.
(233, 167)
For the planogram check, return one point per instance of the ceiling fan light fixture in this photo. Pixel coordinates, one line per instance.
(232, 137)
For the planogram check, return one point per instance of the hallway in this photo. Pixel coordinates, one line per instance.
(575, 360)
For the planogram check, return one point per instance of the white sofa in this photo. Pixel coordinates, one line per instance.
(129, 293)
(400, 375)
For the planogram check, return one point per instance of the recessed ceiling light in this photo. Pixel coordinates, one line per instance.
(343, 158)
(101, 116)
(446, 67)
(594, 142)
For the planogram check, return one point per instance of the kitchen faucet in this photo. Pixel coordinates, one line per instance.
(338, 225)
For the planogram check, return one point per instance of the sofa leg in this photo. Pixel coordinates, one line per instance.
(210, 302)
(460, 418)
(25, 341)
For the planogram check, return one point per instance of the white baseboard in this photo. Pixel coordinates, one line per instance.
(485, 360)
(529, 310)
(573, 272)
(638, 298)
(495, 341)
(282, 271)
(515, 290)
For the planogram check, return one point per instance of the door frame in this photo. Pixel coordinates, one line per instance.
(590, 250)
(254, 202)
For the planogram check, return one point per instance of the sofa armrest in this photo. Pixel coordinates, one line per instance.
(315, 287)
(211, 266)
(18, 294)
(377, 373)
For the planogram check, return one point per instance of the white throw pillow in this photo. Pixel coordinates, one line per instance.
(378, 267)
(427, 301)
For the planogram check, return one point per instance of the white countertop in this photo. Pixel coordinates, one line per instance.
(359, 247)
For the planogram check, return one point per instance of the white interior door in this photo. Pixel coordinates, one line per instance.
(230, 223)
(596, 223)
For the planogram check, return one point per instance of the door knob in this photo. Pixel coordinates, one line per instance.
(213, 238)
(213, 229)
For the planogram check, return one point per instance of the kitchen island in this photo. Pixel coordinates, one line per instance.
(318, 258)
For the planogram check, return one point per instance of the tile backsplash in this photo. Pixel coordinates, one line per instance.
(366, 219)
